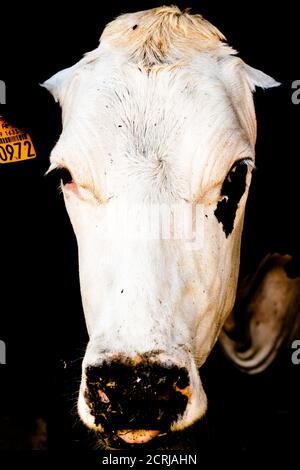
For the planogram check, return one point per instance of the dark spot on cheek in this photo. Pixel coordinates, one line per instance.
(135, 26)
(233, 188)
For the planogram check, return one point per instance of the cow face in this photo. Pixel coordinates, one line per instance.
(165, 141)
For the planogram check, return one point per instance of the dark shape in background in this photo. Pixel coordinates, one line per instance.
(41, 317)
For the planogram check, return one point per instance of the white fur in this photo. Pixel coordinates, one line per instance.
(161, 134)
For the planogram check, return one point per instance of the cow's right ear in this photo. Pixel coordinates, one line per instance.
(59, 82)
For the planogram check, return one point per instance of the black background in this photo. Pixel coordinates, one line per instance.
(41, 318)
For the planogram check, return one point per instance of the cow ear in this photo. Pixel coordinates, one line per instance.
(240, 81)
(58, 83)
(265, 318)
(256, 78)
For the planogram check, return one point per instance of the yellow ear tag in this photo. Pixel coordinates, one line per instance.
(15, 144)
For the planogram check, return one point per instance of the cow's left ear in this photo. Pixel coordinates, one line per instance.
(256, 78)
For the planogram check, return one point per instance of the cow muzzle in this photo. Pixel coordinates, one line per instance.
(136, 398)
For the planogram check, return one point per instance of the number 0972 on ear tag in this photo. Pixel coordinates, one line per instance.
(15, 144)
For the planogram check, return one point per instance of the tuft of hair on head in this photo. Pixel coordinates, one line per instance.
(163, 35)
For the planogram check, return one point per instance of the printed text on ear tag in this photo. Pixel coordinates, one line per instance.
(15, 144)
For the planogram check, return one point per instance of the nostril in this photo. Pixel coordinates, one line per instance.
(103, 397)
(183, 380)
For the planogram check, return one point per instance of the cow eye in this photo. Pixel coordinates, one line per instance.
(232, 190)
(60, 177)
(64, 176)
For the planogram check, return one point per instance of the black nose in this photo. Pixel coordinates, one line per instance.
(122, 395)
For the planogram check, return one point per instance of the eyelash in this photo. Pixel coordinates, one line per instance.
(60, 177)
(243, 161)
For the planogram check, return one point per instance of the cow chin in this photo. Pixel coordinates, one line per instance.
(134, 400)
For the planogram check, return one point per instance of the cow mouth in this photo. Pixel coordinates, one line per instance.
(137, 436)
(125, 439)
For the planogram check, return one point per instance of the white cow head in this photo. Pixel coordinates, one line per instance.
(159, 118)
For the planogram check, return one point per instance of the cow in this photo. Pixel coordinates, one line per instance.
(160, 115)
